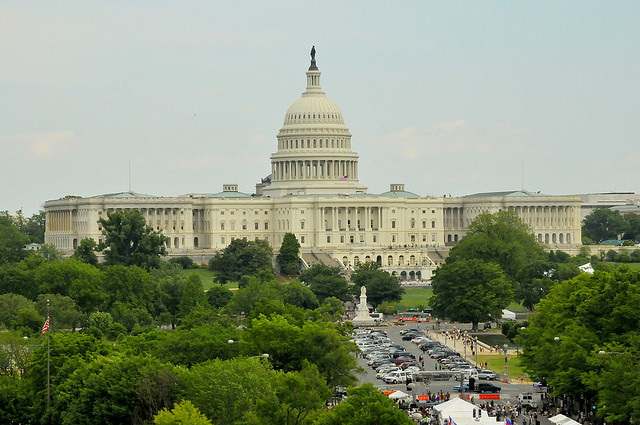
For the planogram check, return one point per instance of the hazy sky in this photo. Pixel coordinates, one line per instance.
(451, 97)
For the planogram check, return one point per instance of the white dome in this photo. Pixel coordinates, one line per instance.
(313, 108)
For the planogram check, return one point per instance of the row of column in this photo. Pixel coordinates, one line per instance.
(558, 216)
(314, 169)
(59, 221)
(341, 213)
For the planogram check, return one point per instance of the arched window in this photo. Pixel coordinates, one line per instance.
(195, 242)
(345, 261)
(176, 242)
(244, 224)
(389, 260)
(401, 260)
(356, 260)
(412, 260)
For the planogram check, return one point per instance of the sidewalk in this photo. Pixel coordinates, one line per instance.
(458, 346)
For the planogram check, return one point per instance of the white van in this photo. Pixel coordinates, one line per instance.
(527, 400)
(397, 377)
(378, 317)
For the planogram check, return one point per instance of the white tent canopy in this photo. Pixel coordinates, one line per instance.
(397, 395)
(563, 420)
(461, 412)
(508, 315)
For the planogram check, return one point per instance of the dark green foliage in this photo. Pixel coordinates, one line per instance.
(503, 239)
(381, 286)
(241, 258)
(130, 242)
(184, 262)
(19, 313)
(218, 296)
(576, 320)
(12, 241)
(325, 282)
(288, 257)
(86, 252)
(299, 295)
(365, 405)
(115, 390)
(470, 291)
(603, 224)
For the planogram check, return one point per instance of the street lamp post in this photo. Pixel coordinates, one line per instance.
(619, 353)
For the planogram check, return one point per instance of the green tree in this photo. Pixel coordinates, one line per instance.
(470, 291)
(33, 227)
(115, 389)
(577, 319)
(288, 257)
(502, 238)
(229, 391)
(86, 252)
(326, 282)
(603, 224)
(19, 313)
(183, 413)
(50, 253)
(15, 353)
(381, 286)
(63, 311)
(241, 258)
(632, 230)
(365, 405)
(299, 295)
(218, 296)
(130, 242)
(244, 299)
(12, 241)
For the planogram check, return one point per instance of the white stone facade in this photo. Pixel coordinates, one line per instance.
(314, 192)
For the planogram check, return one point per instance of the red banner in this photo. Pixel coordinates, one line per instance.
(489, 396)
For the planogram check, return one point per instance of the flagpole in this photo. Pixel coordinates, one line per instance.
(48, 363)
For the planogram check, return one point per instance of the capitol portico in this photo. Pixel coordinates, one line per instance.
(313, 191)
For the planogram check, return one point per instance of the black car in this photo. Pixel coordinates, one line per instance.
(484, 387)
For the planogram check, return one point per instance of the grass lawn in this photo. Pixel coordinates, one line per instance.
(496, 363)
(414, 297)
(206, 276)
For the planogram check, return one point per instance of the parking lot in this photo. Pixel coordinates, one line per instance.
(507, 392)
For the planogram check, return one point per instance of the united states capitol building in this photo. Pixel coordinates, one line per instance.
(313, 191)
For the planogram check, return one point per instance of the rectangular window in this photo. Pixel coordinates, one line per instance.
(433, 211)
(424, 238)
(221, 226)
(433, 238)
(256, 225)
(301, 239)
(222, 240)
(351, 239)
(393, 238)
(341, 239)
(375, 238)
(328, 239)
(433, 224)
(393, 224)
(266, 226)
(302, 224)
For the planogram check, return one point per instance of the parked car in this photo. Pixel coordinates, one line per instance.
(486, 374)
(397, 377)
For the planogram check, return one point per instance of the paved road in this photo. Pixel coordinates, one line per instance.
(509, 391)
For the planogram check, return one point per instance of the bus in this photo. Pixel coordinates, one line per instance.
(414, 316)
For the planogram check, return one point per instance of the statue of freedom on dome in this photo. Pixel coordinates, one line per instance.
(313, 52)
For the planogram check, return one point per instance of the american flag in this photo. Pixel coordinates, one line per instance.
(343, 178)
(46, 326)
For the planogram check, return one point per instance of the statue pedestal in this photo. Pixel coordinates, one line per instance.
(362, 317)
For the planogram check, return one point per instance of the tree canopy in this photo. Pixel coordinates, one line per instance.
(288, 257)
(241, 258)
(470, 291)
(502, 238)
(381, 286)
(129, 241)
(579, 318)
(326, 282)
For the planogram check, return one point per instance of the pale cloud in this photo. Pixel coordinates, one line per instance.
(56, 144)
(446, 137)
